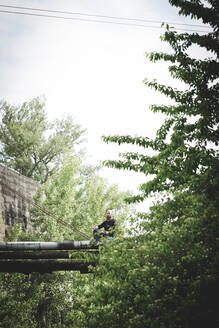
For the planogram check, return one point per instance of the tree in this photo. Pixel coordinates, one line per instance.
(171, 277)
(79, 196)
(190, 157)
(35, 300)
(32, 145)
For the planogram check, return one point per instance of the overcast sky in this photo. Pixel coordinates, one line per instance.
(92, 70)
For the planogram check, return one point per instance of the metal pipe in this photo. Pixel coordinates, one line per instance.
(34, 254)
(43, 254)
(45, 266)
(51, 245)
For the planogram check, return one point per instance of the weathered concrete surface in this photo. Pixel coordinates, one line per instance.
(14, 209)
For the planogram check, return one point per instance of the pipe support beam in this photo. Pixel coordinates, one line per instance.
(45, 266)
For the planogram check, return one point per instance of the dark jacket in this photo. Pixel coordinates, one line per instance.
(107, 225)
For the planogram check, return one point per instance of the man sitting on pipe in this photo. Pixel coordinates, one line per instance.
(108, 225)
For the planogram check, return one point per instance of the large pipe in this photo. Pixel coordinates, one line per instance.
(45, 266)
(50, 245)
(43, 254)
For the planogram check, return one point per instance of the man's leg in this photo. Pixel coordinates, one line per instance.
(96, 234)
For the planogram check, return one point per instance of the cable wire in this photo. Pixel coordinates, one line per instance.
(103, 16)
(52, 215)
(94, 20)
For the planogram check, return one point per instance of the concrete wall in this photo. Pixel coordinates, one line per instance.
(13, 209)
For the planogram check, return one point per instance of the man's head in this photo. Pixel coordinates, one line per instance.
(108, 215)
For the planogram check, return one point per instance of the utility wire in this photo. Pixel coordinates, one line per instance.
(102, 16)
(93, 20)
(52, 215)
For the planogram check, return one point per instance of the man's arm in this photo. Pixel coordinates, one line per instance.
(112, 228)
(101, 225)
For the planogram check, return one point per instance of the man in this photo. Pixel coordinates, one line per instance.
(108, 225)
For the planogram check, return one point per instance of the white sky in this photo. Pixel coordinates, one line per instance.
(93, 71)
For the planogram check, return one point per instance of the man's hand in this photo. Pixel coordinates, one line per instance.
(107, 232)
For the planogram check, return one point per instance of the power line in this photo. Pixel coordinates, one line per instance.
(102, 16)
(76, 19)
(94, 20)
(52, 215)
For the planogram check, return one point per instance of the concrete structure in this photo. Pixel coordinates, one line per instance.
(14, 209)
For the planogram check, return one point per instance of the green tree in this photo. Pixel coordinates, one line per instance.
(36, 300)
(168, 275)
(32, 145)
(79, 196)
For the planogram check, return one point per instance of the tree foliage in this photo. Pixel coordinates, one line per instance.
(35, 300)
(32, 145)
(168, 275)
(78, 195)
